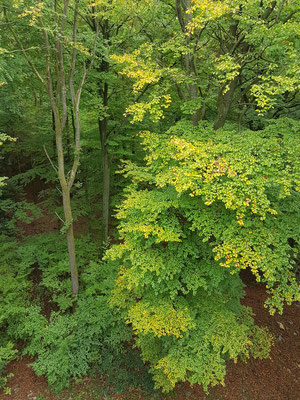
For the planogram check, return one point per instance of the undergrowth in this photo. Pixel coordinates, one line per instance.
(68, 337)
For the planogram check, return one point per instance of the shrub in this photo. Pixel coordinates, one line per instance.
(83, 333)
(68, 345)
(204, 206)
(84, 329)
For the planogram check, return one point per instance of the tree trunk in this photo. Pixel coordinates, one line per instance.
(103, 131)
(87, 199)
(70, 239)
(56, 66)
(224, 104)
(193, 90)
(68, 218)
(105, 177)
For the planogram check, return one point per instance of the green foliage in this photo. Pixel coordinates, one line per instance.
(18, 211)
(205, 206)
(83, 333)
(14, 300)
(69, 344)
(14, 287)
(213, 50)
(7, 353)
(199, 356)
(3, 138)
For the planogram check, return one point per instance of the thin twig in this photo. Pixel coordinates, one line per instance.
(51, 162)
(59, 218)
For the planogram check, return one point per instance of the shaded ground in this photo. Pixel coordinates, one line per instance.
(277, 378)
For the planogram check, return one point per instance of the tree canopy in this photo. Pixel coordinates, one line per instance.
(169, 130)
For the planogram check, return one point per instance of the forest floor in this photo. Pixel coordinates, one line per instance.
(276, 378)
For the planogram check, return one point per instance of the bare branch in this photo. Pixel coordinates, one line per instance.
(51, 162)
(74, 53)
(48, 69)
(59, 218)
(30, 63)
(61, 65)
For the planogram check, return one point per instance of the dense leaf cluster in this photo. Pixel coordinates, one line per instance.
(202, 208)
(75, 338)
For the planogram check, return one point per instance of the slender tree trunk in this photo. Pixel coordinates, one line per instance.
(87, 199)
(102, 124)
(54, 135)
(68, 218)
(68, 144)
(196, 116)
(193, 90)
(70, 239)
(105, 176)
(103, 131)
(73, 123)
(58, 101)
(190, 66)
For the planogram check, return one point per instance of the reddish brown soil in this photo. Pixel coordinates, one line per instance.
(277, 378)
(25, 385)
(48, 223)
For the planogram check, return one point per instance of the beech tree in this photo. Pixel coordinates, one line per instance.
(116, 22)
(225, 59)
(204, 206)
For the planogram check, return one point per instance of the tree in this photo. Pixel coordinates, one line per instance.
(224, 58)
(60, 79)
(116, 23)
(202, 207)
